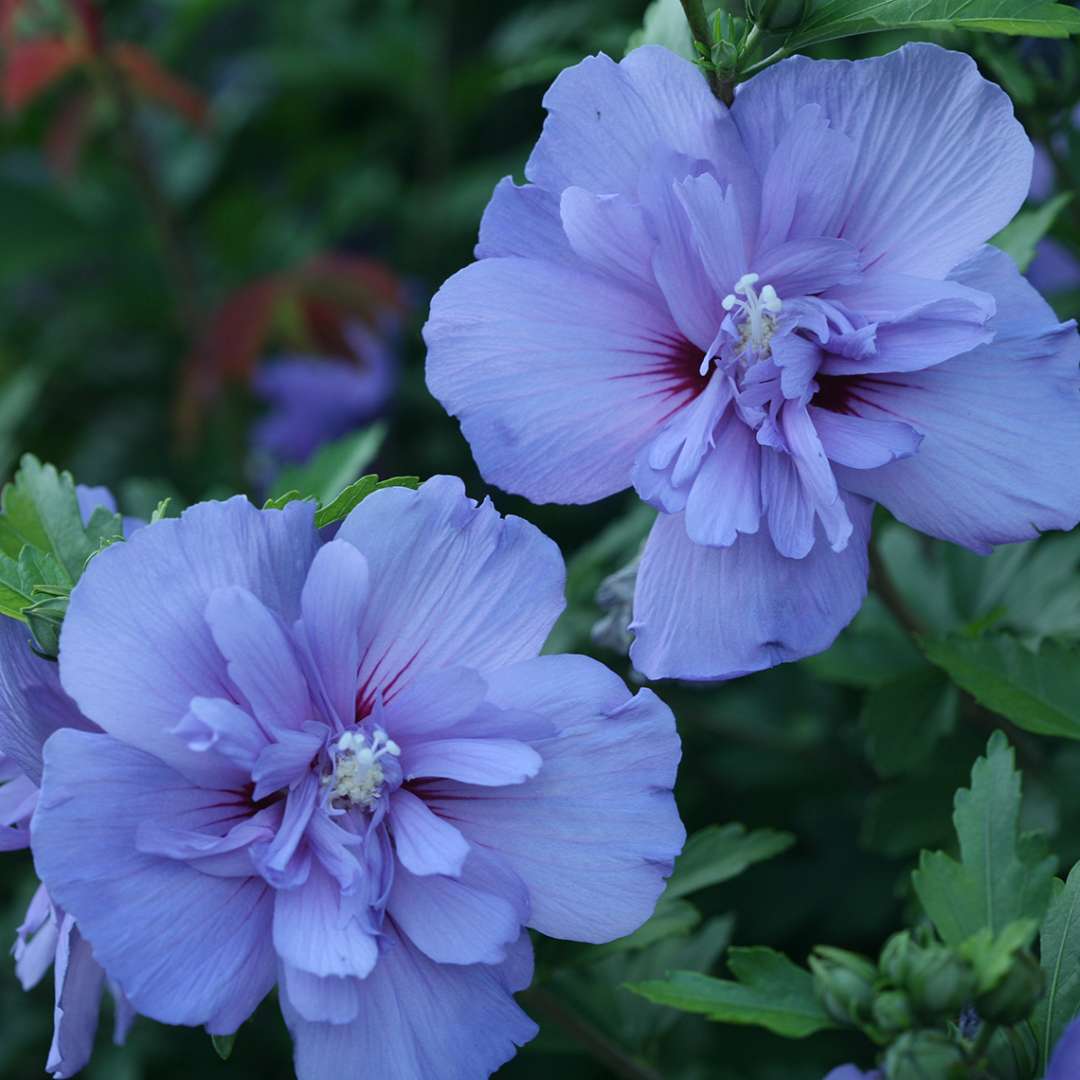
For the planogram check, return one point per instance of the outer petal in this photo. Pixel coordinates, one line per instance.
(594, 834)
(417, 1019)
(940, 162)
(523, 221)
(136, 647)
(32, 702)
(1000, 457)
(186, 948)
(452, 583)
(79, 983)
(714, 613)
(606, 121)
(557, 374)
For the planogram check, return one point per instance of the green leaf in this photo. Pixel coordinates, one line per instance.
(905, 718)
(1059, 949)
(1001, 877)
(770, 992)
(21, 577)
(223, 1045)
(991, 955)
(347, 499)
(1019, 238)
(1036, 691)
(721, 852)
(279, 502)
(841, 18)
(334, 467)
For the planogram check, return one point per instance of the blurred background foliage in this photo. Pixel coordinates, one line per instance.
(213, 146)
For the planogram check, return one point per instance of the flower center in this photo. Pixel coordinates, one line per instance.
(357, 776)
(752, 318)
(756, 312)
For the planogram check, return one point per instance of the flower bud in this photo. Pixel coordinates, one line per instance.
(1015, 996)
(844, 982)
(892, 1012)
(896, 957)
(1014, 1053)
(918, 1055)
(777, 16)
(940, 982)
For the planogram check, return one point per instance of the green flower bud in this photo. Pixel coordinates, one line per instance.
(940, 982)
(924, 1055)
(777, 15)
(1014, 1053)
(844, 982)
(896, 957)
(1015, 996)
(892, 1012)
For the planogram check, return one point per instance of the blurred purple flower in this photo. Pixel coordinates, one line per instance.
(313, 400)
(32, 706)
(1055, 269)
(346, 770)
(765, 319)
(852, 1072)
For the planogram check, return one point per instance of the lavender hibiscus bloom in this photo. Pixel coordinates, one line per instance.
(345, 769)
(313, 400)
(765, 319)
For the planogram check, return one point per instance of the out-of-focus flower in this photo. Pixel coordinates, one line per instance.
(765, 319)
(312, 400)
(852, 1072)
(316, 344)
(345, 769)
(1055, 268)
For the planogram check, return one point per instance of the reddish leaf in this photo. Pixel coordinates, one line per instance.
(90, 18)
(67, 133)
(33, 66)
(151, 80)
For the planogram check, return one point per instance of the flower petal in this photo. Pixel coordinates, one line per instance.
(523, 221)
(606, 121)
(136, 646)
(260, 657)
(315, 934)
(940, 162)
(79, 983)
(1000, 457)
(186, 947)
(32, 702)
(417, 1019)
(425, 843)
(557, 374)
(472, 919)
(593, 835)
(452, 583)
(714, 613)
(333, 600)
(489, 762)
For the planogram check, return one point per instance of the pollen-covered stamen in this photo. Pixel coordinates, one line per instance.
(356, 778)
(756, 314)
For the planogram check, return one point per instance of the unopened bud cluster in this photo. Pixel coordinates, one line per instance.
(926, 1002)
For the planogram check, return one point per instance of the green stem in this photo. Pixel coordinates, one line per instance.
(722, 88)
(598, 1045)
(882, 583)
